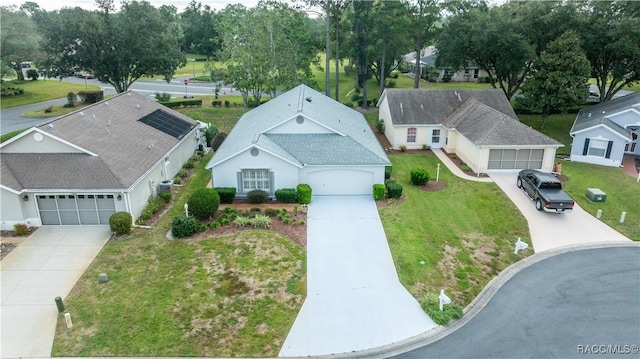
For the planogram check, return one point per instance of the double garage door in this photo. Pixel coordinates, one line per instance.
(341, 182)
(511, 159)
(80, 209)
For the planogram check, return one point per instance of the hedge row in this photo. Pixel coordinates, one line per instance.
(183, 103)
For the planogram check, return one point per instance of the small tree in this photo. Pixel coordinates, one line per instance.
(33, 74)
(203, 202)
(71, 98)
(558, 80)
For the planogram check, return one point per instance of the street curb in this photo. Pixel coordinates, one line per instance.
(476, 305)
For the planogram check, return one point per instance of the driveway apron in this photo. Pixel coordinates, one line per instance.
(354, 298)
(45, 265)
(552, 230)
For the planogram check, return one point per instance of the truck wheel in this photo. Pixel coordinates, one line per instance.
(519, 183)
(539, 204)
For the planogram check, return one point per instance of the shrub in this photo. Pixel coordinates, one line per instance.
(271, 212)
(257, 196)
(209, 133)
(403, 148)
(287, 195)
(163, 97)
(71, 98)
(182, 226)
(387, 172)
(394, 189)
(177, 180)
(91, 96)
(20, 229)
(189, 164)
(241, 221)
(425, 147)
(227, 103)
(217, 140)
(49, 109)
(419, 176)
(394, 74)
(120, 223)
(32, 74)
(153, 206)
(203, 202)
(431, 305)
(165, 196)
(227, 194)
(378, 191)
(390, 84)
(260, 221)
(348, 104)
(380, 126)
(182, 173)
(304, 193)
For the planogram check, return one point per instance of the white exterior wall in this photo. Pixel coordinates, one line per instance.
(600, 132)
(28, 144)
(307, 126)
(225, 174)
(470, 154)
(384, 114)
(17, 211)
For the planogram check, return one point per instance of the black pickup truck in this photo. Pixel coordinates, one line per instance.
(546, 190)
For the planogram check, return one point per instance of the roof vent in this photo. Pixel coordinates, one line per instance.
(401, 109)
(80, 114)
(589, 114)
(109, 123)
(106, 103)
(137, 106)
(50, 126)
(309, 99)
(459, 98)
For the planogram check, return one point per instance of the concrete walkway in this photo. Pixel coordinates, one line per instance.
(354, 298)
(454, 169)
(551, 230)
(45, 265)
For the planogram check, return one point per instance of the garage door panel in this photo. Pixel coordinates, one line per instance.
(511, 159)
(84, 209)
(341, 182)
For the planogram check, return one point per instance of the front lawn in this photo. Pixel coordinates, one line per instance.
(623, 194)
(457, 238)
(228, 295)
(40, 91)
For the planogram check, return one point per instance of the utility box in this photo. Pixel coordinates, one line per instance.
(596, 195)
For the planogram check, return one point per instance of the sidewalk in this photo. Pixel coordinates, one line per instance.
(454, 169)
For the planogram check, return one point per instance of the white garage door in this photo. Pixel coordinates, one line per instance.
(511, 159)
(341, 182)
(81, 209)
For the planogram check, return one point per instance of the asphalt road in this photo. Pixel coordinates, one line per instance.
(12, 120)
(574, 304)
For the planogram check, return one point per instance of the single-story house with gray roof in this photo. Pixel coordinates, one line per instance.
(301, 136)
(604, 133)
(82, 167)
(479, 126)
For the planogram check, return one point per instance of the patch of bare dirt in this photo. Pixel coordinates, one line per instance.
(433, 186)
(388, 202)
(10, 241)
(462, 165)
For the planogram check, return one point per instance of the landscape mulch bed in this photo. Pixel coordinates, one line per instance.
(9, 241)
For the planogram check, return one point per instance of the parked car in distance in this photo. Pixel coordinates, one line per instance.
(546, 190)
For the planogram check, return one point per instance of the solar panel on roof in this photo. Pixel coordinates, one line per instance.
(167, 123)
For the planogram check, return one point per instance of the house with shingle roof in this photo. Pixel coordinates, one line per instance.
(479, 126)
(82, 167)
(604, 133)
(301, 136)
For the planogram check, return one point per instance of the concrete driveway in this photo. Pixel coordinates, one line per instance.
(551, 230)
(45, 265)
(354, 298)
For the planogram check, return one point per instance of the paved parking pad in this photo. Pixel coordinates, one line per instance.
(354, 298)
(45, 265)
(553, 230)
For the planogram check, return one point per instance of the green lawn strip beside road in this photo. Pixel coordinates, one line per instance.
(230, 295)
(464, 233)
(623, 194)
(40, 91)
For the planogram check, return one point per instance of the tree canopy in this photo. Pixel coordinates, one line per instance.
(19, 39)
(139, 40)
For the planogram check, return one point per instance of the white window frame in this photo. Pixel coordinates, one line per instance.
(435, 135)
(256, 178)
(598, 147)
(412, 133)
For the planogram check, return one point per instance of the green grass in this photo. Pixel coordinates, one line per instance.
(556, 127)
(10, 135)
(223, 118)
(41, 90)
(233, 295)
(463, 233)
(623, 194)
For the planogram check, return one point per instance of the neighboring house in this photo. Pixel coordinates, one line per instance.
(81, 168)
(479, 126)
(301, 136)
(603, 133)
(470, 73)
